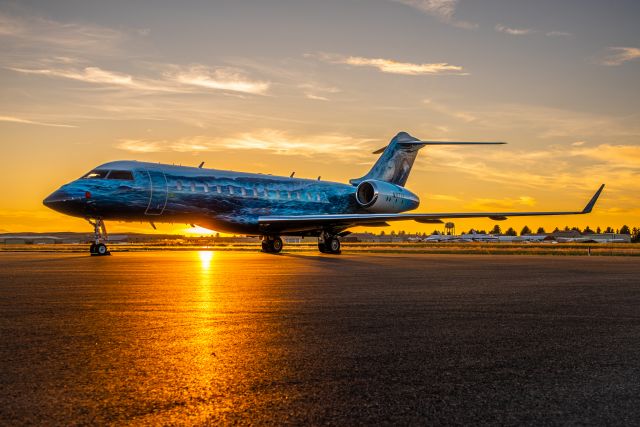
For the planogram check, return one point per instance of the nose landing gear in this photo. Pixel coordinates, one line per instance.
(98, 248)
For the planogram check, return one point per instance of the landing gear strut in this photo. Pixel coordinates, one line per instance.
(98, 248)
(328, 243)
(271, 244)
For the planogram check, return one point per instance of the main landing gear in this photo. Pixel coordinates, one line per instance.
(98, 248)
(328, 243)
(271, 244)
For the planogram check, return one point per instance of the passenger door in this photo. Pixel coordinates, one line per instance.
(157, 192)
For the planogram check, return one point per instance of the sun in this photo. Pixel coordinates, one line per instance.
(198, 231)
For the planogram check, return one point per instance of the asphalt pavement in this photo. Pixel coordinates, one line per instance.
(228, 337)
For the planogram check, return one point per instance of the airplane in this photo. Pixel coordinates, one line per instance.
(257, 204)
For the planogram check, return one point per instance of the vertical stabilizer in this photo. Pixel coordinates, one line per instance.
(395, 162)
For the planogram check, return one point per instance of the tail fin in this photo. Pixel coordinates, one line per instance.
(396, 161)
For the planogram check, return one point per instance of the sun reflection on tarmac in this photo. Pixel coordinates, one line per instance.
(205, 259)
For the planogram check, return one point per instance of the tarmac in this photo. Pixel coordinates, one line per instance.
(208, 337)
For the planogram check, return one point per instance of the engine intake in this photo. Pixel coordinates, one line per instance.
(384, 197)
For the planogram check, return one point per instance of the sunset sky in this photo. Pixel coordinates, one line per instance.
(316, 86)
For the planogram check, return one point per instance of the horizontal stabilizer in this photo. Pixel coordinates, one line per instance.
(423, 143)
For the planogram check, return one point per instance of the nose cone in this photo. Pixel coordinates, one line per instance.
(57, 197)
(63, 201)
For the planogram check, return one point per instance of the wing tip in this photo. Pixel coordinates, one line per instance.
(589, 207)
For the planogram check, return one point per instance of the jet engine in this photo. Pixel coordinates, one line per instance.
(383, 197)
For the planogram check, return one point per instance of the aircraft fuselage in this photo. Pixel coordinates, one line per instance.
(215, 199)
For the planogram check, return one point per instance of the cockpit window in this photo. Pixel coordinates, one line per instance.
(121, 175)
(96, 174)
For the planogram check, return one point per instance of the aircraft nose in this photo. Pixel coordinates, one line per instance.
(56, 198)
(64, 201)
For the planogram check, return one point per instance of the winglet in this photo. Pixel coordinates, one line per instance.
(592, 202)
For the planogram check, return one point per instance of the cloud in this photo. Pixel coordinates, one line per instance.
(317, 92)
(619, 156)
(558, 34)
(620, 55)
(172, 81)
(32, 122)
(42, 34)
(394, 67)
(221, 79)
(270, 140)
(444, 10)
(448, 111)
(513, 31)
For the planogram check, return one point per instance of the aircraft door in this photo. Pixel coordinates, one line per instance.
(157, 192)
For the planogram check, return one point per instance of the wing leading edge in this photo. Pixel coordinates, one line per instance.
(314, 222)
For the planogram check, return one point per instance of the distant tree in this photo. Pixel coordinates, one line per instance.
(525, 230)
(625, 230)
(587, 230)
(435, 233)
(566, 228)
(382, 233)
(608, 230)
(481, 231)
(598, 230)
(393, 232)
(576, 229)
(540, 230)
(635, 234)
(402, 233)
(555, 230)
(511, 232)
(496, 229)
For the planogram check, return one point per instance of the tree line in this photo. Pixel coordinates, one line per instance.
(633, 232)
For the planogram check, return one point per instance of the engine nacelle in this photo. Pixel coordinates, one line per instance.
(384, 197)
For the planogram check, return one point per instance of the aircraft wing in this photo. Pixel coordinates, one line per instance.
(343, 221)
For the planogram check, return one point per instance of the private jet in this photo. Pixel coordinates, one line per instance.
(256, 204)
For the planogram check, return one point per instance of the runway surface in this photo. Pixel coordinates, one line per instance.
(209, 337)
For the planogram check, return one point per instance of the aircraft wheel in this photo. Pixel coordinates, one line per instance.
(322, 248)
(101, 249)
(276, 245)
(92, 248)
(333, 245)
(265, 245)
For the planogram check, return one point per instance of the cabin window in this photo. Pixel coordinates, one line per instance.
(96, 174)
(205, 187)
(289, 195)
(231, 190)
(127, 175)
(255, 192)
(318, 197)
(298, 195)
(218, 189)
(193, 187)
(179, 185)
(309, 196)
(244, 192)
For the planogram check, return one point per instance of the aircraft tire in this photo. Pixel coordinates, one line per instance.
(265, 245)
(276, 245)
(101, 249)
(322, 248)
(92, 248)
(333, 245)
